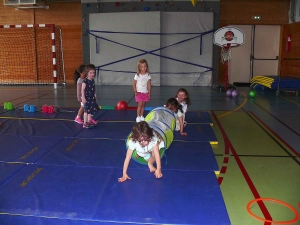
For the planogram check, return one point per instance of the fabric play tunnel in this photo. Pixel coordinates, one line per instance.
(162, 120)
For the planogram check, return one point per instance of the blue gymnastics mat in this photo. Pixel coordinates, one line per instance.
(31, 220)
(119, 115)
(7, 170)
(94, 194)
(198, 117)
(62, 113)
(40, 127)
(197, 132)
(26, 149)
(111, 154)
(108, 130)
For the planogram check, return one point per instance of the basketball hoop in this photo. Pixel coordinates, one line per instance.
(227, 38)
(226, 53)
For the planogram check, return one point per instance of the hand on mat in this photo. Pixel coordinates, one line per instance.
(136, 156)
(158, 173)
(125, 177)
(183, 133)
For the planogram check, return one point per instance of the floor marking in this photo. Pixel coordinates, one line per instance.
(254, 191)
(240, 106)
(290, 100)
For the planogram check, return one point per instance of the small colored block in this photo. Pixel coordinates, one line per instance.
(107, 107)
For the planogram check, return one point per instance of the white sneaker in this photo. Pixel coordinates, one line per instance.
(138, 119)
(142, 118)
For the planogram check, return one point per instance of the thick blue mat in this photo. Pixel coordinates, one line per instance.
(62, 113)
(111, 154)
(89, 193)
(119, 115)
(191, 156)
(31, 220)
(198, 117)
(7, 170)
(109, 130)
(40, 127)
(197, 132)
(26, 149)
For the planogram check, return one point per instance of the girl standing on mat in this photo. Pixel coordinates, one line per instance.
(89, 97)
(146, 143)
(142, 88)
(183, 98)
(79, 76)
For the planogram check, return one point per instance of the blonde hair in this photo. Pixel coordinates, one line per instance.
(140, 62)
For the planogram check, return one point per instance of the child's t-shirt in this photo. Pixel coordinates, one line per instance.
(79, 85)
(178, 114)
(142, 81)
(184, 106)
(143, 151)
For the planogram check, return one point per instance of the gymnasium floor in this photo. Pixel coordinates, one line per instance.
(237, 150)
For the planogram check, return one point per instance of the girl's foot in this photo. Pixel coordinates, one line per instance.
(94, 121)
(78, 120)
(151, 167)
(142, 118)
(138, 119)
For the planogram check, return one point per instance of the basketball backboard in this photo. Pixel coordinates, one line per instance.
(229, 35)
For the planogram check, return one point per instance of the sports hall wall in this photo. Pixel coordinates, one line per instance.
(68, 15)
(272, 12)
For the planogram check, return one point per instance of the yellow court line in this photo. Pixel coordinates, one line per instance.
(290, 100)
(244, 102)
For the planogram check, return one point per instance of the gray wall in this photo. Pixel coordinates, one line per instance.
(171, 6)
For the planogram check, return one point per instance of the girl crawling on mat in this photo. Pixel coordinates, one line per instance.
(146, 143)
(148, 139)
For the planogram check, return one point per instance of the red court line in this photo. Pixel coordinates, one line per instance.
(253, 189)
(273, 132)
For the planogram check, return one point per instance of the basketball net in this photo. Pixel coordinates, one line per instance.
(226, 53)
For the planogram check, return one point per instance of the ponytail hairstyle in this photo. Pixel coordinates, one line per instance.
(77, 73)
(174, 105)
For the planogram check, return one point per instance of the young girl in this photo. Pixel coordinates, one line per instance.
(146, 143)
(184, 100)
(142, 88)
(88, 94)
(79, 76)
(175, 107)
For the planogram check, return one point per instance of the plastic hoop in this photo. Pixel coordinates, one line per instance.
(273, 200)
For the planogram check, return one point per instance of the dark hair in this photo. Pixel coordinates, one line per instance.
(187, 99)
(90, 67)
(141, 129)
(173, 104)
(81, 69)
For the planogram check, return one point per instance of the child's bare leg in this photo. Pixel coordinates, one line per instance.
(89, 116)
(150, 164)
(85, 117)
(142, 108)
(139, 109)
(80, 112)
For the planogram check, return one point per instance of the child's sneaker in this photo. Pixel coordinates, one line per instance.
(78, 120)
(86, 125)
(93, 121)
(142, 118)
(138, 119)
